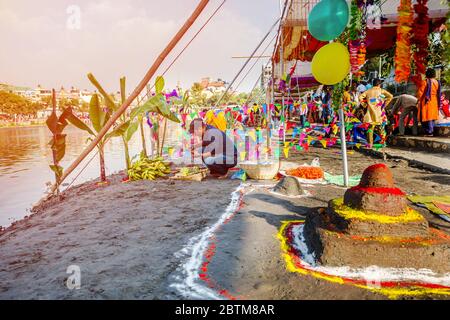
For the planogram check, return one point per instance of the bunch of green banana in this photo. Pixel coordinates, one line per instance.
(148, 169)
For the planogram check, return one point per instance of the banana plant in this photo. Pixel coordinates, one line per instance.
(127, 128)
(99, 117)
(58, 142)
(130, 127)
(156, 104)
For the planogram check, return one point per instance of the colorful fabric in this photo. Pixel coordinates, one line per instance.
(339, 179)
(429, 100)
(429, 203)
(375, 98)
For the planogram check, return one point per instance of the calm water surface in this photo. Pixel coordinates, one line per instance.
(25, 156)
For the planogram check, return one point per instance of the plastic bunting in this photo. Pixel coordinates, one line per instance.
(403, 50)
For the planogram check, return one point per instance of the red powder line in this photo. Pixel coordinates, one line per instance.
(385, 284)
(379, 190)
(211, 252)
(376, 167)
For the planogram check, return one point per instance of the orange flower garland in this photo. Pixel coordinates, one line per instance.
(305, 172)
(403, 51)
(420, 38)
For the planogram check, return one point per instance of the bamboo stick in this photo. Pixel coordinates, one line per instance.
(150, 73)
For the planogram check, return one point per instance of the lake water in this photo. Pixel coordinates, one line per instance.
(25, 157)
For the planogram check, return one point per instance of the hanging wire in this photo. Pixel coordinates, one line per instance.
(246, 62)
(257, 60)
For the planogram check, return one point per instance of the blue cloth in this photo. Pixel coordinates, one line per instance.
(428, 126)
(209, 144)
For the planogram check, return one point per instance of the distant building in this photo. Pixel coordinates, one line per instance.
(211, 88)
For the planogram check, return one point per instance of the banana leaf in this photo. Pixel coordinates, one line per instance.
(74, 120)
(132, 128)
(96, 114)
(164, 110)
(118, 131)
(59, 146)
(159, 84)
(108, 100)
(58, 170)
(150, 106)
(52, 123)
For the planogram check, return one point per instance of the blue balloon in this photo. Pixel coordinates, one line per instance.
(328, 19)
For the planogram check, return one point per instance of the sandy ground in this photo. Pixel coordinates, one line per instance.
(123, 237)
(126, 238)
(248, 263)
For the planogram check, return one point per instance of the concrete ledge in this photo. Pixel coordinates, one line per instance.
(435, 162)
(430, 144)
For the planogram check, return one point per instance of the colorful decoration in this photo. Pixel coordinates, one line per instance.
(420, 38)
(328, 19)
(331, 64)
(403, 50)
(393, 283)
(349, 213)
(355, 23)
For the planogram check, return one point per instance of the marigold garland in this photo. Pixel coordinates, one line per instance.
(403, 50)
(307, 173)
(420, 38)
(357, 35)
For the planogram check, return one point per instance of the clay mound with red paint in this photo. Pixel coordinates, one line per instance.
(373, 225)
(377, 193)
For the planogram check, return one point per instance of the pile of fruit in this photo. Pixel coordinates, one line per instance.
(148, 169)
(189, 171)
(306, 172)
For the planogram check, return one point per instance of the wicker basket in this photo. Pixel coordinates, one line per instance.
(261, 171)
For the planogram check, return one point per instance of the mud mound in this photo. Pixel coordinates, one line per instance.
(289, 186)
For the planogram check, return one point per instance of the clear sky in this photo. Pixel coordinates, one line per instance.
(124, 37)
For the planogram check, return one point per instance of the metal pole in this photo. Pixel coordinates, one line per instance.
(344, 146)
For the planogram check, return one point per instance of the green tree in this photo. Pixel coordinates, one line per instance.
(13, 104)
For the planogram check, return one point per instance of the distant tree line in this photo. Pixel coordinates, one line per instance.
(14, 104)
(198, 98)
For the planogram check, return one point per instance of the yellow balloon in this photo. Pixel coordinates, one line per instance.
(331, 64)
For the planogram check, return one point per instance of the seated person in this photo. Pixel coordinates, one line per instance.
(219, 152)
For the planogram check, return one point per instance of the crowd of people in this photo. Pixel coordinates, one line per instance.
(377, 109)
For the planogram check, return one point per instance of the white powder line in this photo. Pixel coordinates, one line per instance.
(189, 284)
(372, 273)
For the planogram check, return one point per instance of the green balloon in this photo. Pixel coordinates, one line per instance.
(328, 19)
